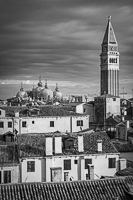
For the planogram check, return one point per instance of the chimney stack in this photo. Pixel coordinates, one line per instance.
(80, 144)
(91, 171)
(48, 146)
(58, 145)
(99, 146)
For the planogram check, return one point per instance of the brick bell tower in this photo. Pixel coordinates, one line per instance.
(109, 62)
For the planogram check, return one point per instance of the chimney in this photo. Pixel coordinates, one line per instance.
(80, 144)
(123, 118)
(99, 146)
(58, 145)
(91, 171)
(48, 146)
(122, 163)
(16, 114)
(127, 124)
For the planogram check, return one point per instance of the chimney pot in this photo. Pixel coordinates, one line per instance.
(80, 143)
(99, 145)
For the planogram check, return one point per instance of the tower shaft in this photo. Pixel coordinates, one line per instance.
(109, 62)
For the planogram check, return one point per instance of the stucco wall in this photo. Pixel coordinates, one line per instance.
(78, 171)
(15, 173)
(37, 175)
(42, 124)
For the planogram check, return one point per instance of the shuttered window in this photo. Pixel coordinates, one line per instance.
(79, 122)
(9, 124)
(67, 164)
(7, 176)
(112, 162)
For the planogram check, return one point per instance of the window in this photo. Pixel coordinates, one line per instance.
(30, 166)
(0, 112)
(67, 164)
(24, 124)
(7, 176)
(66, 176)
(84, 110)
(33, 122)
(112, 162)
(79, 122)
(75, 161)
(9, 124)
(87, 161)
(114, 99)
(51, 123)
(1, 124)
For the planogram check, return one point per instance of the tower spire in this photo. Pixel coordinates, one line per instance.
(109, 36)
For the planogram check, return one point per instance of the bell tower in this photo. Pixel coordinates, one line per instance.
(109, 62)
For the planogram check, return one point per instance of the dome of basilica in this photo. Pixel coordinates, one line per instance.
(57, 94)
(38, 89)
(46, 93)
(21, 94)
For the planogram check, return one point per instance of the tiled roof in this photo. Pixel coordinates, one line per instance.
(75, 190)
(125, 172)
(44, 111)
(8, 154)
(90, 143)
(34, 144)
(31, 145)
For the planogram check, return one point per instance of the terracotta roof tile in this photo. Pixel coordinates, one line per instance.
(34, 144)
(83, 190)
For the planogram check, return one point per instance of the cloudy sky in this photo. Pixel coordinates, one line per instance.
(61, 41)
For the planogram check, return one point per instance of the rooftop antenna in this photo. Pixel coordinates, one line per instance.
(40, 78)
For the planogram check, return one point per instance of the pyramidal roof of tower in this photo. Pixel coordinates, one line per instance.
(109, 36)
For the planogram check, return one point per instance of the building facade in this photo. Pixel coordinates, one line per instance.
(43, 124)
(109, 62)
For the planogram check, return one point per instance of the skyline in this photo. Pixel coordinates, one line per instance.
(61, 41)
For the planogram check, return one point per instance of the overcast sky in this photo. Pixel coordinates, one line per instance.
(61, 41)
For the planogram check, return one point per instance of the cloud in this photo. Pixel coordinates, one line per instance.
(61, 39)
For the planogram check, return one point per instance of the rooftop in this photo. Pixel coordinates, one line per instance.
(34, 144)
(103, 189)
(51, 110)
(8, 154)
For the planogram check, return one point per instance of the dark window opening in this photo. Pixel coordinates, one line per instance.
(7, 176)
(30, 166)
(24, 124)
(33, 122)
(75, 161)
(80, 123)
(9, 124)
(67, 164)
(112, 162)
(51, 123)
(1, 124)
